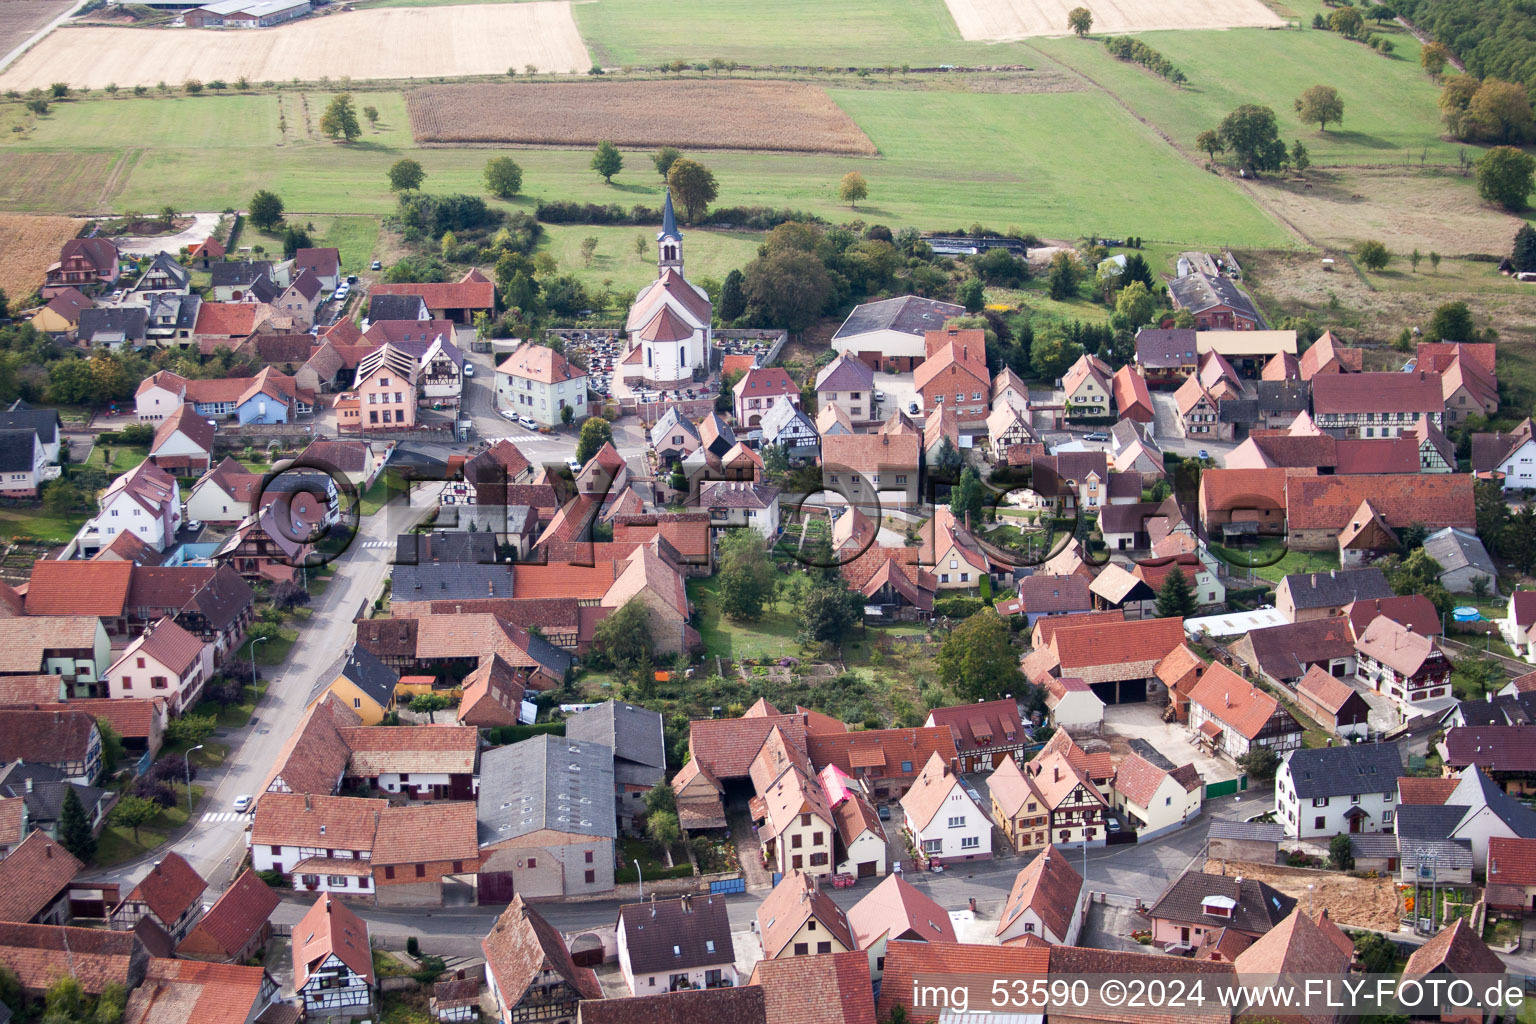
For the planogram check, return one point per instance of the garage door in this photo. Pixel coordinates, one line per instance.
(867, 869)
(495, 888)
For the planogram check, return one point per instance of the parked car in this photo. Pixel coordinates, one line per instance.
(1202, 454)
(375, 265)
(912, 408)
(469, 369)
(1113, 824)
(884, 812)
(1097, 435)
(879, 396)
(509, 414)
(573, 465)
(242, 803)
(529, 422)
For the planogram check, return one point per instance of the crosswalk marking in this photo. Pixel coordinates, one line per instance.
(216, 816)
(377, 544)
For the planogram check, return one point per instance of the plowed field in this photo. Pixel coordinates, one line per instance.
(27, 246)
(777, 116)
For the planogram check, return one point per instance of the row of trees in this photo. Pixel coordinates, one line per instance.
(1487, 110)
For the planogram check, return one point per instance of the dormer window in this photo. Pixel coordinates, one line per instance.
(1218, 906)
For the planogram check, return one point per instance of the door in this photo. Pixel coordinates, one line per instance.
(867, 869)
(1354, 825)
(495, 887)
(1183, 936)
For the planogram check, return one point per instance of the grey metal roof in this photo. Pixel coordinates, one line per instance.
(239, 273)
(1341, 771)
(1373, 844)
(552, 782)
(445, 546)
(1238, 410)
(451, 581)
(909, 314)
(634, 733)
(396, 307)
(1259, 831)
(1512, 709)
(1147, 751)
(44, 422)
(1457, 549)
(1197, 292)
(1429, 821)
(130, 321)
(1337, 587)
(1445, 853)
(366, 671)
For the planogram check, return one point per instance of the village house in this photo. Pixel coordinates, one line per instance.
(540, 383)
(1511, 874)
(1216, 303)
(875, 470)
(36, 879)
(1283, 654)
(945, 821)
(169, 897)
(1196, 903)
(635, 736)
(323, 263)
(1506, 457)
(799, 919)
(113, 327)
(956, 557)
(668, 945)
(890, 334)
(1044, 594)
(236, 927)
(759, 390)
(1230, 716)
(60, 315)
(1049, 800)
(361, 682)
(183, 443)
(1155, 798)
(1378, 404)
(418, 762)
(165, 662)
(1115, 657)
(797, 830)
(333, 962)
(1301, 597)
(1047, 902)
(985, 732)
(1333, 703)
(1322, 513)
(1463, 561)
(738, 503)
(886, 762)
(524, 789)
(1087, 388)
(955, 367)
(1328, 355)
(1132, 399)
(145, 501)
(892, 911)
(529, 969)
(1246, 352)
(1329, 791)
(23, 463)
(1166, 356)
(1399, 663)
(62, 738)
(84, 264)
(861, 850)
(848, 383)
(458, 301)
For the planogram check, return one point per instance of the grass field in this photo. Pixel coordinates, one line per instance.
(1059, 164)
(711, 254)
(38, 523)
(1390, 104)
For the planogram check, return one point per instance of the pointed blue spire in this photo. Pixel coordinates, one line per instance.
(669, 219)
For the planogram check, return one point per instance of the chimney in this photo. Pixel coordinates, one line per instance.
(308, 804)
(1056, 773)
(29, 785)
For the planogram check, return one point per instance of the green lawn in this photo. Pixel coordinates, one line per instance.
(1390, 104)
(770, 636)
(355, 237)
(1061, 164)
(271, 652)
(711, 254)
(39, 523)
(117, 844)
(1271, 561)
(124, 458)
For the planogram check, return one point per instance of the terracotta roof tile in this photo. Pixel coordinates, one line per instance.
(728, 746)
(426, 832)
(235, 917)
(1432, 499)
(904, 961)
(1412, 790)
(521, 944)
(32, 877)
(743, 1004)
(1457, 949)
(982, 725)
(297, 819)
(170, 888)
(78, 588)
(897, 910)
(42, 954)
(441, 749)
(471, 291)
(1233, 701)
(829, 988)
(315, 755)
(330, 928)
(1222, 490)
(46, 736)
(892, 749)
(1050, 886)
(795, 900)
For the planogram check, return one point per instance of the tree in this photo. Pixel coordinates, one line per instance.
(607, 161)
(829, 611)
(1498, 112)
(1080, 20)
(1340, 855)
(747, 575)
(1066, 273)
(75, 828)
(664, 158)
(1505, 176)
(1522, 254)
(406, 175)
(1321, 103)
(266, 210)
(693, 186)
(1434, 261)
(192, 86)
(1415, 258)
(372, 114)
(595, 433)
(1175, 597)
(190, 728)
(1251, 134)
(1209, 141)
(294, 239)
(1375, 953)
(662, 829)
(1300, 158)
(111, 747)
(430, 704)
(624, 638)
(786, 287)
(1052, 354)
(1346, 21)
(733, 299)
(968, 496)
(972, 294)
(1452, 321)
(288, 595)
(588, 250)
(948, 461)
(340, 118)
(1374, 255)
(1135, 305)
(61, 497)
(503, 177)
(978, 660)
(853, 188)
(1517, 540)
(1434, 57)
(134, 812)
(659, 798)
(1260, 763)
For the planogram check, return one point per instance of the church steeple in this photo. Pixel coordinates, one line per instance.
(669, 240)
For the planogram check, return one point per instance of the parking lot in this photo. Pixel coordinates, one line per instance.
(1124, 722)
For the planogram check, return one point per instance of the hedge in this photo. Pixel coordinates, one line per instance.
(516, 733)
(623, 875)
(757, 218)
(957, 607)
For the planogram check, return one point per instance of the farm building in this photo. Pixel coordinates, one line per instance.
(246, 13)
(889, 335)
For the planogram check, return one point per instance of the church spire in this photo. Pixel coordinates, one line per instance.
(669, 240)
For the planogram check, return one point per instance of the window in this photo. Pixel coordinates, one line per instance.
(805, 820)
(1319, 801)
(1387, 817)
(389, 871)
(533, 862)
(823, 947)
(797, 862)
(810, 925)
(589, 856)
(801, 949)
(906, 767)
(591, 876)
(796, 841)
(458, 866)
(357, 702)
(141, 662)
(127, 682)
(957, 822)
(816, 838)
(1354, 798)
(970, 842)
(421, 871)
(1317, 822)
(932, 845)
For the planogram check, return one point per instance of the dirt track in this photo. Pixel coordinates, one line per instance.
(393, 42)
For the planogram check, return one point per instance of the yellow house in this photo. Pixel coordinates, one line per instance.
(361, 682)
(62, 313)
(800, 919)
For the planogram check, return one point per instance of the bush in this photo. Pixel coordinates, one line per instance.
(433, 215)
(516, 733)
(957, 607)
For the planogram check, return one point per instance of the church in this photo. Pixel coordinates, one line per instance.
(669, 322)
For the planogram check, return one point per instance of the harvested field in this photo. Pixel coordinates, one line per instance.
(20, 18)
(1428, 209)
(994, 20)
(405, 42)
(79, 182)
(774, 116)
(27, 246)
(1361, 902)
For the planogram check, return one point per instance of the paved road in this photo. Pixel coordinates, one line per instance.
(35, 37)
(216, 841)
(202, 226)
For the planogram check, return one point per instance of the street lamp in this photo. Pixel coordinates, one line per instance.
(187, 763)
(639, 878)
(254, 642)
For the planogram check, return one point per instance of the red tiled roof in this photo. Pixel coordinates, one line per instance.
(981, 726)
(1111, 643)
(42, 954)
(1434, 500)
(330, 928)
(930, 791)
(78, 588)
(418, 833)
(905, 961)
(1415, 611)
(1131, 392)
(1458, 949)
(867, 454)
(1328, 355)
(1050, 886)
(727, 746)
(827, 988)
(234, 918)
(1417, 392)
(1323, 689)
(1222, 490)
(1511, 861)
(895, 909)
(795, 900)
(1233, 701)
(170, 888)
(890, 748)
(521, 944)
(227, 319)
(1414, 790)
(32, 877)
(471, 291)
(540, 363)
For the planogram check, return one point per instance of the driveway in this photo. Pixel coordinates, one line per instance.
(1123, 722)
(202, 226)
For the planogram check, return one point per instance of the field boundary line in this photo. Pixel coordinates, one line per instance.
(116, 178)
(1283, 221)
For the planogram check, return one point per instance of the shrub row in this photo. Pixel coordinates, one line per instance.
(757, 218)
(1138, 52)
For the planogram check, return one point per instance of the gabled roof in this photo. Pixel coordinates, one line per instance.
(547, 782)
(889, 749)
(906, 961)
(96, 957)
(896, 910)
(827, 988)
(964, 350)
(1160, 348)
(170, 645)
(521, 944)
(330, 929)
(365, 671)
(981, 725)
(1198, 292)
(1413, 790)
(846, 373)
(1048, 885)
(78, 588)
(32, 877)
(540, 363)
(1458, 950)
(633, 733)
(1415, 611)
(48, 736)
(423, 832)
(1222, 490)
(742, 1004)
(1138, 779)
(1285, 652)
(1233, 701)
(1336, 588)
(1130, 389)
(170, 889)
(1325, 690)
(669, 936)
(908, 314)
(1297, 945)
(795, 900)
(236, 916)
(1344, 770)
(1396, 646)
(1417, 392)
(303, 819)
(1256, 906)
(930, 791)
(1500, 748)
(1457, 549)
(1328, 355)
(472, 291)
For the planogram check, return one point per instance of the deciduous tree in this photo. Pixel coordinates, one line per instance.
(1434, 56)
(1320, 104)
(1251, 134)
(1374, 255)
(786, 288)
(595, 433)
(1209, 141)
(693, 187)
(266, 210)
(429, 704)
(1504, 176)
(134, 812)
(664, 158)
(978, 660)
(1080, 20)
(624, 638)
(747, 575)
(340, 118)
(853, 189)
(406, 175)
(1346, 21)
(503, 177)
(607, 161)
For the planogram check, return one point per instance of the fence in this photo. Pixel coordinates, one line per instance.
(1227, 788)
(1510, 666)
